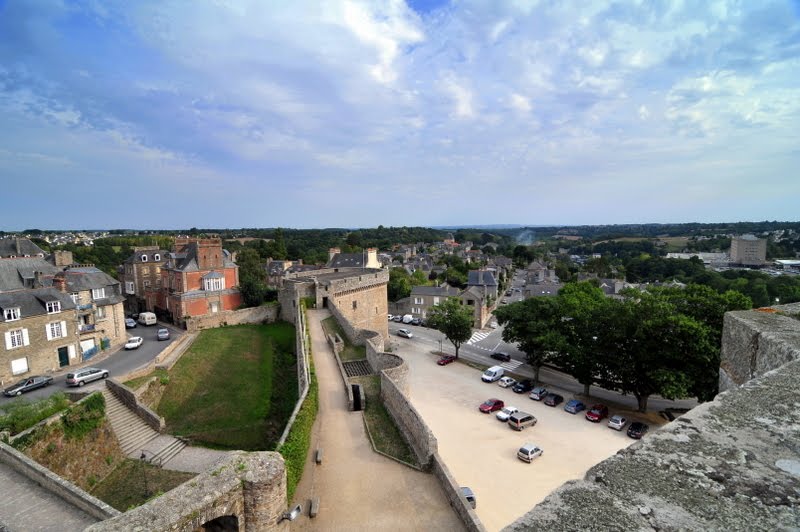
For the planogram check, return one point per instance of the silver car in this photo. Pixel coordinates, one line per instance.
(528, 452)
(617, 422)
(84, 375)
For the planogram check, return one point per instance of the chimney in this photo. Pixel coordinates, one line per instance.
(62, 258)
(60, 282)
(332, 252)
(372, 258)
(37, 279)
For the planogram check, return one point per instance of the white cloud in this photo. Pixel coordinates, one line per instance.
(520, 103)
(461, 95)
(644, 113)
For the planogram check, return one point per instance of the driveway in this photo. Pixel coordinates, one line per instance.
(358, 488)
(481, 451)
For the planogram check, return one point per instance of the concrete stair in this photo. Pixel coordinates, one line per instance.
(137, 437)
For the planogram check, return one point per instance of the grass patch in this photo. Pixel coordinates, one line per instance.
(235, 388)
(84, 417)
(134, 482)
(295, 449)
(138, 381)
(385, 434)
(20, 414)
(350, 351)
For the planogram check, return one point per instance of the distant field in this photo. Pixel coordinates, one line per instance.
(235, 388)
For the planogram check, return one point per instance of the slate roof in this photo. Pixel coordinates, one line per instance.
(186, 260)
(480, 278)
(136, 256)
(444, 291)
(213, 275)
(348, 260)
(34, 302)
(19, 247)
(17, 274)
(88, 278)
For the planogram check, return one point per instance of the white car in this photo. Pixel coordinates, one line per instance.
(617, 422)
(505, 412)
(390, 317)
(528, 452)
(506, 382)
(134, 342)
(405, 333)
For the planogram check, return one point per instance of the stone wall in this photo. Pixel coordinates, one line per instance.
(453, 493)
(755, 342)
(303, 355)
(249, 486)
(54, 484)
(290, 295)
(167, 358)
(262, 314)
(128, 397)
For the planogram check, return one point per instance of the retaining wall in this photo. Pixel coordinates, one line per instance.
(453, 492)
(128, 396)
(262, 314)
(54, 484)
(167, 358)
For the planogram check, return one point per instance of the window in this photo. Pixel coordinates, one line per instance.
(214, 284)
(156, 257)
(418, 301)
(75, 297)
(57, 329)
(144, 258)
(17, 338)
(129, 287)
(436, 300)
(19, 366)
(214, 306)
(12, 314)
(146, 283)
(98, 293)
(100, 313)
(53, 307)
(355, 304)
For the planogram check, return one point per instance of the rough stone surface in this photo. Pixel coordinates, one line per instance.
(262, 314)
(728, 464)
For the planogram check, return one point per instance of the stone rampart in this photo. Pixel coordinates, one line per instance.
(755, 342)
(303, 355)
(129, 398)
(453, 493)
(167, 358)
(263, 314)
(246, 488)
(54, 484)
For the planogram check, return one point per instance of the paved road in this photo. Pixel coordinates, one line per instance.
(118, 362)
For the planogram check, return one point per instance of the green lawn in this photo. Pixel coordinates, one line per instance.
(235, 388)
(134, 482)
(350, 351)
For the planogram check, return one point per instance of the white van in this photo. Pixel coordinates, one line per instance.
(492, 374)
(147, 318)
(408, 318)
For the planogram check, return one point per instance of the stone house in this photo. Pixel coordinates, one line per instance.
(140, 272)
(99, 308)
(366, 259)
(481, 303)
(198, 278)
(484, 282)
(423, 298)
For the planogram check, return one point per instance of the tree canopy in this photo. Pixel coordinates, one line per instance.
(453, 319)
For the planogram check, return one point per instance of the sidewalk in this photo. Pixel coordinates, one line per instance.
(358, 488)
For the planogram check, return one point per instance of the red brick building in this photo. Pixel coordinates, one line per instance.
(198, 278)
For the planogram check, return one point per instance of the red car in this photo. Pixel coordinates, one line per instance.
(445, 360)
(597, 412)
(491, 405)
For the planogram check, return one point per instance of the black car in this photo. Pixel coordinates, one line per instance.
(637, 430)
(27, 384)
(523, 386)
(505, 357)
(553, 399)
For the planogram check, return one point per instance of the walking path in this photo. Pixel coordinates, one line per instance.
(358, 488)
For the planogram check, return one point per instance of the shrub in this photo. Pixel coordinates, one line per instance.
(84, 417)
(22, 415)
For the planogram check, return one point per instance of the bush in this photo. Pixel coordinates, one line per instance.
(22, 415)
(84, 417)
(295, 448)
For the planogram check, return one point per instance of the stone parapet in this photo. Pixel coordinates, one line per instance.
(129, 398)
(262, 314)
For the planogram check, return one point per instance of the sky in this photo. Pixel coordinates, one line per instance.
(230, 114)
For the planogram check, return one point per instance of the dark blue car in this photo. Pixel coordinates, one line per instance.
(574, 406)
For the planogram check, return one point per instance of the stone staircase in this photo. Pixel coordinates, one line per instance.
(137, 438)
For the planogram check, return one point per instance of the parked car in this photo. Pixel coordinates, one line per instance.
(538, 393)
(505, 357)
(617, 422)
(493, 324)
(491, 405)
(553, 399)
(506, 382)
(597, 412)
(574, 406)
(27, 384)
(504, 301)
(162, 334)
(134, 342)
(508, 292)
(130, 323)
(416, 321)
(405, 333)
(467, 493)
(528, 452)
(446, 359)
(637, 430)
(505, 412)
(397, 318)
(521, 420)
(492, 374)
(84, 375)
(523, 386)
(390, 317)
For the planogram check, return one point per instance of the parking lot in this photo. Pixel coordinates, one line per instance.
(481, 451)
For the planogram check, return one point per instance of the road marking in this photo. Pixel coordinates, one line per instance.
(477, 336)
(512, 365)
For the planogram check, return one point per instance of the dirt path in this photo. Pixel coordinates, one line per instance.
(358, 488)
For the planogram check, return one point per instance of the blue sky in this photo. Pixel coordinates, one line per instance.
(432, 112)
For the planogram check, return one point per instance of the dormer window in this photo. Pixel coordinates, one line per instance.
(217, 283)
(144, 258)
(98, 293)
(156, 257)
(12, 314)
(53, 307)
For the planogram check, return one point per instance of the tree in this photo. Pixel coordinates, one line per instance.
(453, 319)
(399, 284)
(252, 277)
(530, 324)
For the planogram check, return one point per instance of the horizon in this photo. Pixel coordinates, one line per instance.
(367, 113)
